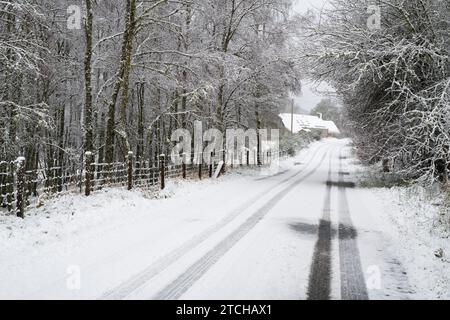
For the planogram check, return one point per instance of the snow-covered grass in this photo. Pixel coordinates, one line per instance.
(100, 234)
(418, 219)
(69, 215)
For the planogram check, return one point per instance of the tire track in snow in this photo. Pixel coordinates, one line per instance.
(319, 286)
(140, 279)
(353, 284)
(181, 284)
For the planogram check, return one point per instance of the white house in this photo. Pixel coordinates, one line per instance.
(309, 123)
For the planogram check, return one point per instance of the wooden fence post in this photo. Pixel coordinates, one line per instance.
(248, 158)
(211, 165)
(130, 170)
(156, 171)
(183, 165)
(224, 169)
(162, 168)
(20, 187)
(231, 155)
(200, 169)
(87, 173)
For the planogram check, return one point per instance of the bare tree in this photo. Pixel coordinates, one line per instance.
(394, 80)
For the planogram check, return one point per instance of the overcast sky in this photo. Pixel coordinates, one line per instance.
(302, 6)
(309, 98)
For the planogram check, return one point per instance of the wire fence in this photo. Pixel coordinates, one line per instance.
(22, 188)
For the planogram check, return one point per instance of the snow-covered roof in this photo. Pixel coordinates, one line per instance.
(332, 127)
(306, 123)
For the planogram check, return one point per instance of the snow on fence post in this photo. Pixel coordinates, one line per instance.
(130, 170)
(183, 165)
(20, 187)
(162, 168)
(87, 173)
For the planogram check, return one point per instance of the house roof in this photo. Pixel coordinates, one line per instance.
(306, 123)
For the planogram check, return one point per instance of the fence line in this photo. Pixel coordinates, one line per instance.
(21, 189)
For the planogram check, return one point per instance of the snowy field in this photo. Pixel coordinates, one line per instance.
(244, 236)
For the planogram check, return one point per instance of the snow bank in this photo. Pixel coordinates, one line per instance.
(418, 222)
(72, 214)
(64, 216)
(111, 225)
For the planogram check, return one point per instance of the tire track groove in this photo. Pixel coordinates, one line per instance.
(180, 285)
(140, 279)
(319, 286)
(353, 284)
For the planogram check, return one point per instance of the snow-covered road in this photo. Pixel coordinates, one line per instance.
(305, 233)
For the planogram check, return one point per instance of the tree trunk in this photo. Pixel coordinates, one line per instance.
(140, 145)
(61, 147)
(88, 128)
(123, 78)
(126, 65)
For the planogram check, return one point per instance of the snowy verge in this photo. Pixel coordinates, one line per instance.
(418, 220)
(68, 215)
